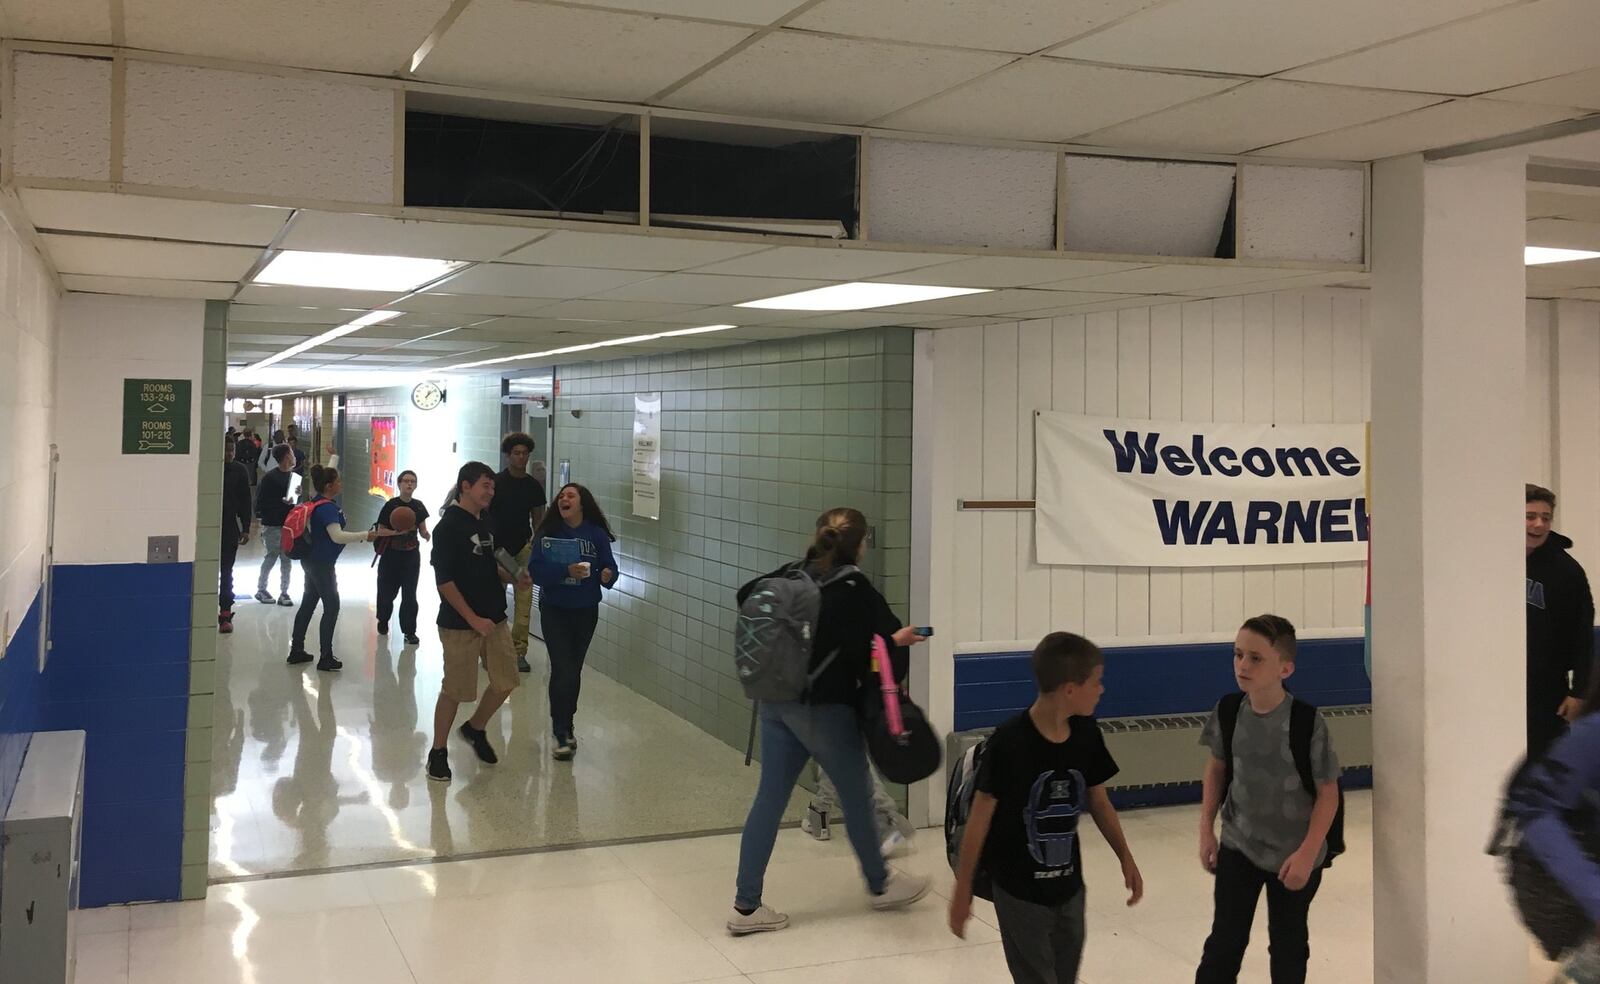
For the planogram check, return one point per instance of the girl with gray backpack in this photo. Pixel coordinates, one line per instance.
(803, 647)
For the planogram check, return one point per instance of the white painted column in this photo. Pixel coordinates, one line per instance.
(934, 395)
(1448, 622)
(1575, 441)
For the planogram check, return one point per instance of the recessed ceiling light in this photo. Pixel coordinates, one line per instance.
(859, 297)
(1539, 255)
(370, 318)
(604, 343)
(353, 271)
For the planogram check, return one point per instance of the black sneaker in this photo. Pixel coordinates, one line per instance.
(383, 628)
(480, 743)
(566, 748)
(523, 666)
(285, 600)
(297, 656)
(411, 639)
(330, 665)
(438, 765)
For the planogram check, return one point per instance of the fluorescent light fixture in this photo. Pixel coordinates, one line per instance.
(604, 343)
(353, 271)
(370, 318)
(1539, 255)
(859, 297)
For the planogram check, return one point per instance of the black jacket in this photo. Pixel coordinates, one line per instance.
(270, 494)
(235, 499)
(1560, 633)
(852, 613)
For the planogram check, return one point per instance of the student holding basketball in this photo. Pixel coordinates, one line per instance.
(399, 563)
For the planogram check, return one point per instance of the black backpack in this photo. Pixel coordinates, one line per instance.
(1302, 721)
(1551, 915)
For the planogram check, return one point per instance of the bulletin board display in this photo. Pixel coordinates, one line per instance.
(385, 454)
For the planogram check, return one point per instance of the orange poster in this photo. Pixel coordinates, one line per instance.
(384, 455)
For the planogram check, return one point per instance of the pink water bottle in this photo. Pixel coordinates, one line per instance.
(891, 690)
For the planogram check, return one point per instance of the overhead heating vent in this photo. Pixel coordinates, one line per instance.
(1149, 208)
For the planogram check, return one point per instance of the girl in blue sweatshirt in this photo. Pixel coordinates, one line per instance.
(571, 563)
(1556, 787)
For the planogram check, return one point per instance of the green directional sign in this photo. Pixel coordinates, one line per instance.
(155, 416)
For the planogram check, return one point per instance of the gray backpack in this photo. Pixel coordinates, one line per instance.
(774, 635)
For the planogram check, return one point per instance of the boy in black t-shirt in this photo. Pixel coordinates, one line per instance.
(1040, 772)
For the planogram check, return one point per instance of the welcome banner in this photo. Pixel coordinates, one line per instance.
(1151, 493)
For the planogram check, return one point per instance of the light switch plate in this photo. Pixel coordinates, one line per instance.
(162, 550)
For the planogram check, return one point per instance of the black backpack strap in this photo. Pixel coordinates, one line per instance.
(1302, 722)
(1228, 719)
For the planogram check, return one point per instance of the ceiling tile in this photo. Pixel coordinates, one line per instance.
(1016, 25)
(995, 302)
(593, 54)
(435, 302)
(627, 252)
(1564, 233)
(823, 263)
(78, 21)
(1584, 273)
(243, 313)
(1257, 114)
(704, 288)
(1261, 37)
(1555, 205)
(1296, 280)
(1006, 271)
(848, 320)
(333, 232)
(146, 258)
(159, 218)
(137, 287)
(758, 12)
(1435, 126)
(1171, 278)
(317, 297)
(605, 310)
(1576, 89)
(1044, 99)
(1521, 43)
(720, 315)
(510, 280)
(375, 36)
(789, 75)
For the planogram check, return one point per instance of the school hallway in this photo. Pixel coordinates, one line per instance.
(313, 771)
(652, 913)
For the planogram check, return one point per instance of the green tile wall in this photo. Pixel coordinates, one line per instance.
(757, 440)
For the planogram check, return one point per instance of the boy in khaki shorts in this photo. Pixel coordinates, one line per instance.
(472, 619)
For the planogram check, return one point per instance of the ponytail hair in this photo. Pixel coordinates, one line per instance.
(323, 476)
(840, 534)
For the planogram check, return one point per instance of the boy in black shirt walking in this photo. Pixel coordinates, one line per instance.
(516, 512)
(1040, 771)
(472, 619)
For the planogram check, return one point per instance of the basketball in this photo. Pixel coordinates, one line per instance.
(403, 519)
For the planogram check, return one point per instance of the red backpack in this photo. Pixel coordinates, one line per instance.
(296, 543)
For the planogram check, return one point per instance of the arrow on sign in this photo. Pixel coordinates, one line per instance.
(155, 445)
(156, 408)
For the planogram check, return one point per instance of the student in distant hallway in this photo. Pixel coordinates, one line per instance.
(1560, 625)
(1042, 770)
(472, 619)
(272, 508)
(328, 540)
(1274, 833)
(517, 509)
(401, 563)
(571, 563)
(235, 529)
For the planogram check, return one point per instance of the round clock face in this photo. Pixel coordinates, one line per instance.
(426, 396)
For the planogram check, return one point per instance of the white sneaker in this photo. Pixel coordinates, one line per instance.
(764, 920)
(896, 845)
(900, 891)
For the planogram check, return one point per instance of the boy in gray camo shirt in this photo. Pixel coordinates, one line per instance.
(1274, 833)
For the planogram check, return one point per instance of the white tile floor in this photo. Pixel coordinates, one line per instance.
(654, 912)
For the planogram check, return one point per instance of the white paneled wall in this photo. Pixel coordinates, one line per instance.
(1573, 434)
(1298, 356)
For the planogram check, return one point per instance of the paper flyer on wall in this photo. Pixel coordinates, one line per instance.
(647, 455)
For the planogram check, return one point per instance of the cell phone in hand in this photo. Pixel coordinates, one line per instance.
(923, 630)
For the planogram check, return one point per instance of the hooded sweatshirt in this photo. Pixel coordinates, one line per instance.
(1560, 636)
(1558, 787)
(548, 563)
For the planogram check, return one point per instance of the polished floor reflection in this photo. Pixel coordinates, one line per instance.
(319, 770)
(653, 913)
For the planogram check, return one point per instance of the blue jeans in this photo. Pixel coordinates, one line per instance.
(791, 735)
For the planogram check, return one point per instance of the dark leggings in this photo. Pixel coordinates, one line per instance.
(322, 584)
(567, 634)
(397, 573)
